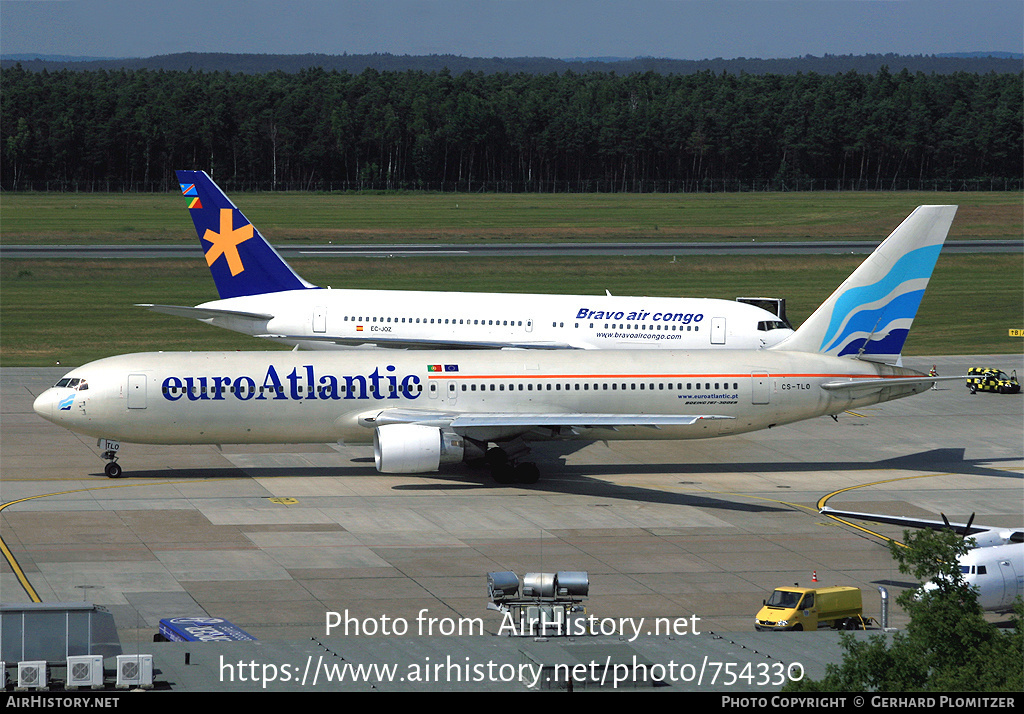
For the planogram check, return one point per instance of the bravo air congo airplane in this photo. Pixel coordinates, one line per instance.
(422, 409)
(262, 296)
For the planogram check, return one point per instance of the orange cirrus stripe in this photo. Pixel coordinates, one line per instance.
(745, 375)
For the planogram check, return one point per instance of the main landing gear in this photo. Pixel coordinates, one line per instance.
(110, 449)
(507, 468)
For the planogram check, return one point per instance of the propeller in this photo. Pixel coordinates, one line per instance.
(966, 529)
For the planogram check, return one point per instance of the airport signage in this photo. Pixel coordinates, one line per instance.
(202, 629)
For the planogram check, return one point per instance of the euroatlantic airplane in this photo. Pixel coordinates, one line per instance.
(262, 296)
(994, 565)
(422, 409)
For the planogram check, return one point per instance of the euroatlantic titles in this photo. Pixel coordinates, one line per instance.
(296, 385)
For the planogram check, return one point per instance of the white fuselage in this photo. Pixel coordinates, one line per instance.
(291, 397)
(997, 572)
(496, 319)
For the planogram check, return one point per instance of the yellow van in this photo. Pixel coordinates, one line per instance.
(796, 608)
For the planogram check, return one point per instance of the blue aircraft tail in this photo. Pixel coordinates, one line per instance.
(870, 314)
(241, 260)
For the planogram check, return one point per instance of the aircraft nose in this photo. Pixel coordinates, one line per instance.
(43, 405)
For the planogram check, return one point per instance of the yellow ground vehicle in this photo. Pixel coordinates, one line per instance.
(984, 379)
(796, 608)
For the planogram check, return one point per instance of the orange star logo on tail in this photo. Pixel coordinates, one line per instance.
(226, 242)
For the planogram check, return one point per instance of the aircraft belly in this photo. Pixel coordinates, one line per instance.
(293, 422)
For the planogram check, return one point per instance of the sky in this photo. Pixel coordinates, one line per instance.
(677, 29)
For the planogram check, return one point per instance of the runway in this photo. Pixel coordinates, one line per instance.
(482, 250)
(273, 538)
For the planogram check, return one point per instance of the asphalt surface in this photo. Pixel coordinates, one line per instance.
(189, 250)
(277, 538)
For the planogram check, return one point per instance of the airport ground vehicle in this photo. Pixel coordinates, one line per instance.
(797, 608)
(984, 379)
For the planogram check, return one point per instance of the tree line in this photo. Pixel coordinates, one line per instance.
(329, 130)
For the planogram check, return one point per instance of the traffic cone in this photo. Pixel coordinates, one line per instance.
(814, 576)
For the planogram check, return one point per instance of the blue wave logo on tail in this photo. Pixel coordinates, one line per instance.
(241, 260)
(869, 316)
(875, 319)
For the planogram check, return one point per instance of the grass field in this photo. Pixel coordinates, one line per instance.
(286, 218)
(73, 311)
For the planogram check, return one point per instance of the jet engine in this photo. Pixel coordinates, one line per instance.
(414, 448)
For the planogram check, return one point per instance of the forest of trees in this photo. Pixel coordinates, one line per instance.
(328, 130)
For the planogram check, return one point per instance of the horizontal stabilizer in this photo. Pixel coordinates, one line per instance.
(872, 385)
(203, 313)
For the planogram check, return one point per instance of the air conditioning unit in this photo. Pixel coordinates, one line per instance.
(85, 671)
(135, 670)
(32, 674)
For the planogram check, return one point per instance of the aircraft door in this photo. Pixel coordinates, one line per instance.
(453, 391)
(529, 325)
(718, 330)
(1006, 571)
(761, 388)
(320, 319)
(136, 391)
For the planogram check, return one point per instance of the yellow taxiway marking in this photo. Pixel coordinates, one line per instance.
(13, 561)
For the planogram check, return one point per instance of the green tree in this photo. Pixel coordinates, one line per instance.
(948, 645)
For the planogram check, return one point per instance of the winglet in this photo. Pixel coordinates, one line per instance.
(870, 314)
(241, 260)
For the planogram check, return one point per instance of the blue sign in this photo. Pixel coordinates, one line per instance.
(202, 629)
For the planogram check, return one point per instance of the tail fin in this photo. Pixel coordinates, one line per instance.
(241, 260)
(870, 314)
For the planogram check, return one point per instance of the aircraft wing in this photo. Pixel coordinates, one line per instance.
(421, 344)
(203, 313)
(984, 535)
(527, 421)
(581, 421)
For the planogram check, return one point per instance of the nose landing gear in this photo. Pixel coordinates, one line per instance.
(110, 449)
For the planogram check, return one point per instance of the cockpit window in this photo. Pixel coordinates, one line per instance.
(768, 325)
(73, 383)
(63, 383)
